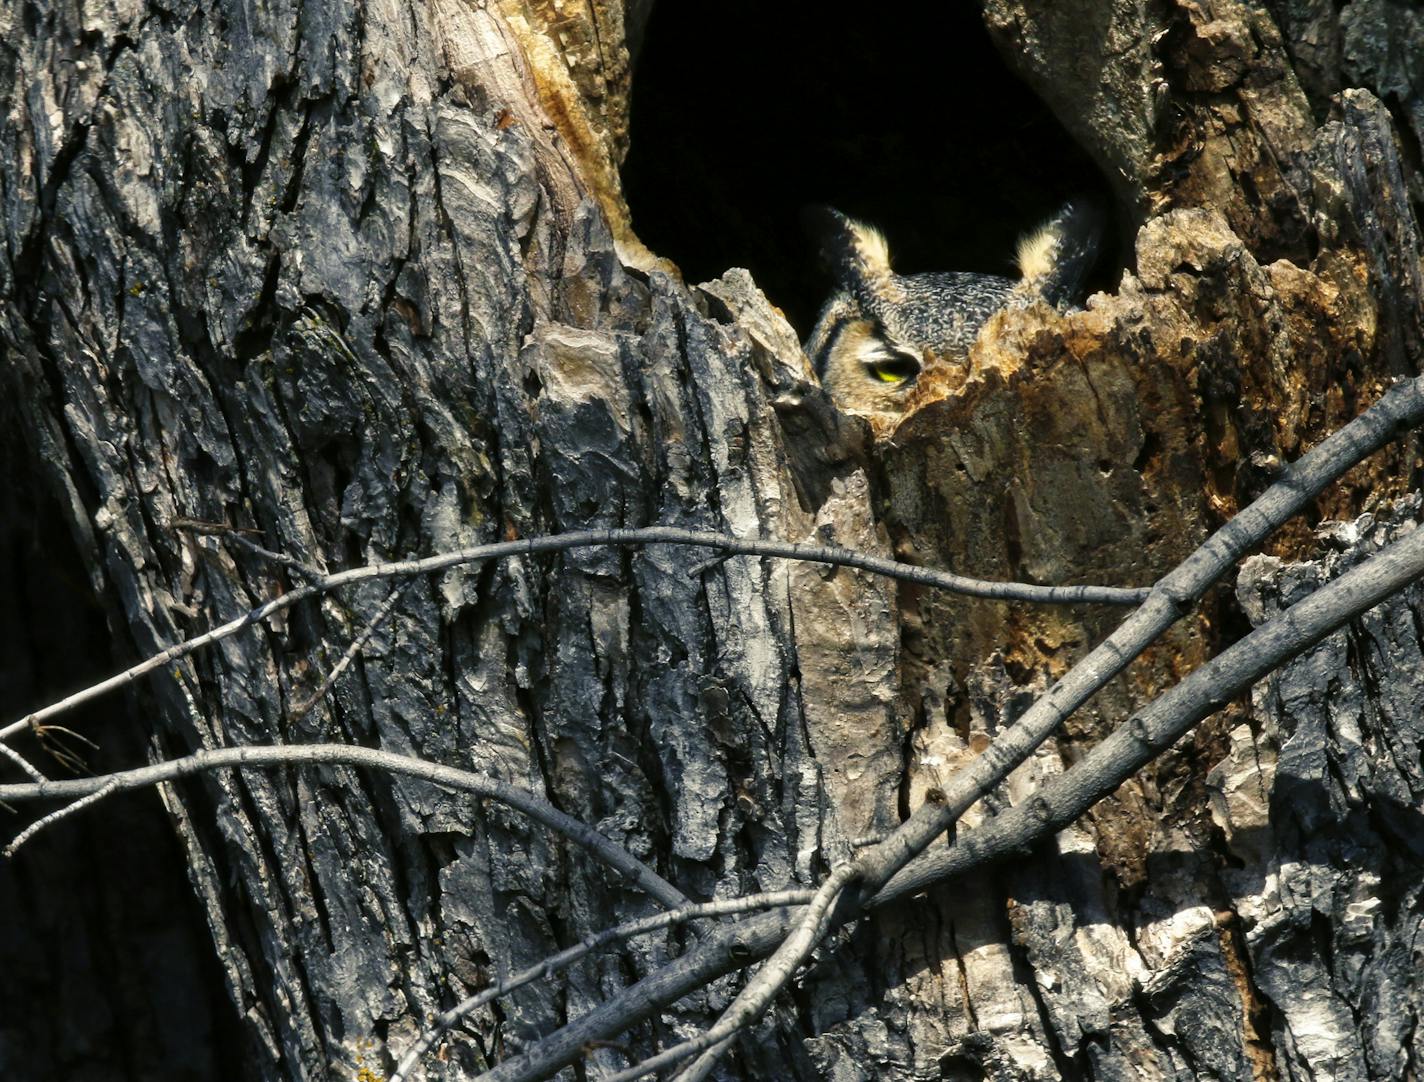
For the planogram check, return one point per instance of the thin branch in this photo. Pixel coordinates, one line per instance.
(235, 535)
(702, 1066)
(815, 922)
(665, 535)
(299, 709)
(1400, 407)
(55, 816)
(727, 951)
(1168, 600)
(697, 570)
(612, 854)
(565, 958)
(54, 738)
(20, 761)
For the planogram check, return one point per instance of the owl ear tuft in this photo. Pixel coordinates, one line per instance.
(856, 254)
(1055, 258)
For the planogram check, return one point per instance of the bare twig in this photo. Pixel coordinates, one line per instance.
(20, 761)
(299, 709)
(235, 535)
(815, 922)
(702, 1066)
(55, 816)
(666, 535)
(54, 739)
(1398, 409)
(565, 958)
(712, 562)
(615, 856)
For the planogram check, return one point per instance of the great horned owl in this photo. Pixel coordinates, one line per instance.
(880, 330)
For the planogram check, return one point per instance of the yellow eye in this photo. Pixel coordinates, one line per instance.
(894, 369)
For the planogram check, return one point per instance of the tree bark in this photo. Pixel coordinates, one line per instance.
(361, 279)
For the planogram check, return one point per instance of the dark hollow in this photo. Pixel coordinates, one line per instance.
(902, 115)
(107, 970)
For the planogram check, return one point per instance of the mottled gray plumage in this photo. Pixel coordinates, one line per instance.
(942, 311)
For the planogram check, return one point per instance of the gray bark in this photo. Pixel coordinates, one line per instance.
(1319, 801)
(360, 278)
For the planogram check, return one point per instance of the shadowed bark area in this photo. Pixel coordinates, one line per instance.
(360, 278)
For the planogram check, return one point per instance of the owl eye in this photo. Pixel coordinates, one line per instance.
(896, 368)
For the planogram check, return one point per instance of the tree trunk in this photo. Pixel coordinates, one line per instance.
(362, 280)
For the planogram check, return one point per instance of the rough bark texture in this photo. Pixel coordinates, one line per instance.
(360, 277)
(1319, 800)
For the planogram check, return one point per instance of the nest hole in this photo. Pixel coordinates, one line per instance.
(910, 121)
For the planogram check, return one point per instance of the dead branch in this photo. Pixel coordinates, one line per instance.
(565, 958)
(20, 761)
(664, 535)
(612, 854)
(349, 654)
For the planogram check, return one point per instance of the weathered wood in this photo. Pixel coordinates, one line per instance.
(1319, 802)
